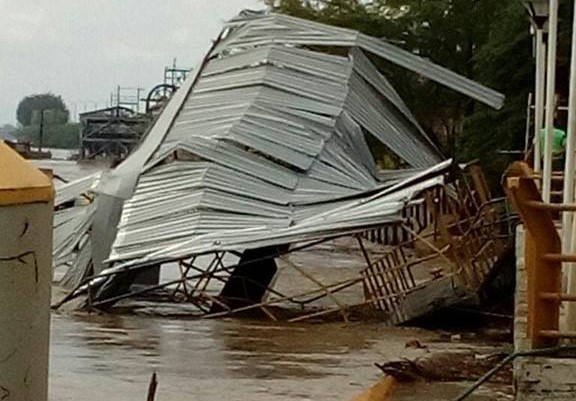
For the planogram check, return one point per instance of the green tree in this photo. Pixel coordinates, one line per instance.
(48, 114)
(7, 131)
(31, 105)
(63, 136)
(504, 62)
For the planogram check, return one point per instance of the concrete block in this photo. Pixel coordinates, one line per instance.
(542, 379)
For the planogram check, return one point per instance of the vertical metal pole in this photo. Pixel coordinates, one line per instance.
(81, 139)
(41, 139)
(568, 244)
(528, 122)
(539, 96)
(550, 92)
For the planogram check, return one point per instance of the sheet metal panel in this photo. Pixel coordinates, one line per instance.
(266, 145)
(401, 138)
(367, 71)
(244, 161)
(268, 29)
(186, 176)
(79, 266)
(340, 217)
(319, 65)
(276, 117)
(74, 189)
(70, 225)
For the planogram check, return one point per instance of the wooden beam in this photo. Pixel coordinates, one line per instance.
(544, 275)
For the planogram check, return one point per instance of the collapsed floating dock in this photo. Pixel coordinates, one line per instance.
(264, 155)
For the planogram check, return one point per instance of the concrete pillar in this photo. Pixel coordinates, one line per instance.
(26, 209)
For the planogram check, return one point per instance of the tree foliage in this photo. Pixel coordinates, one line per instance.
(32, 106)
(504, 62)
(62, 136)
(46, 112)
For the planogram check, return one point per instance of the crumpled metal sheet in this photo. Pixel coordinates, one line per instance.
(187, 228)
(266, 144)
(319, 221)
(258, 29)
(73, 219)
(80, 265)
(72, 243)
(71, 190)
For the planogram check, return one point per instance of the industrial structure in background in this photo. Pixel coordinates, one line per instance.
(113, 132)
(157, 97)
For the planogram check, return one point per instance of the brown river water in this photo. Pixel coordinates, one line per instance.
(111, 357)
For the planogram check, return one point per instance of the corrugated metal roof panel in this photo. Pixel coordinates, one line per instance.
(266, 145)
(74, 189)
(276, 28)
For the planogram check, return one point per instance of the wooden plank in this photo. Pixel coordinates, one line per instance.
(543, 276)
(480, 183)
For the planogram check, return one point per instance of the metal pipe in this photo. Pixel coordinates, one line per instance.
(568, 244)
(528, 122)
(41, 135)
(510, 358)
(550, 93)
(539, 96)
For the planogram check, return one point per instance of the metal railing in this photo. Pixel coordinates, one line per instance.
(543, 257)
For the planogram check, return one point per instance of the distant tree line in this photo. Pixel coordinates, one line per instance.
(45, 118)
(486, 40)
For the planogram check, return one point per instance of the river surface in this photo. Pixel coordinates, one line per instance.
(111, 357)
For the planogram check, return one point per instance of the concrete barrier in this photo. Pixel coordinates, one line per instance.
(26, 211)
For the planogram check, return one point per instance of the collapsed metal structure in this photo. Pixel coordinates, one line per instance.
(264, 152)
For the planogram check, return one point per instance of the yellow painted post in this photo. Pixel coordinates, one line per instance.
(26, 211)
(381, 391)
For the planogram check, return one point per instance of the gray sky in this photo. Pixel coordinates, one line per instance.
(83, 49)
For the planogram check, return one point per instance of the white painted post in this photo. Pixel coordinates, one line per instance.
(550, 94)
(568, 243)
(26, 209)
(539, 96)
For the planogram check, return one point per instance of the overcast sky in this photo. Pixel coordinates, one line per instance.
(83, 49)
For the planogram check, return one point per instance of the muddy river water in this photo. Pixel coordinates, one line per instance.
(111, 357)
